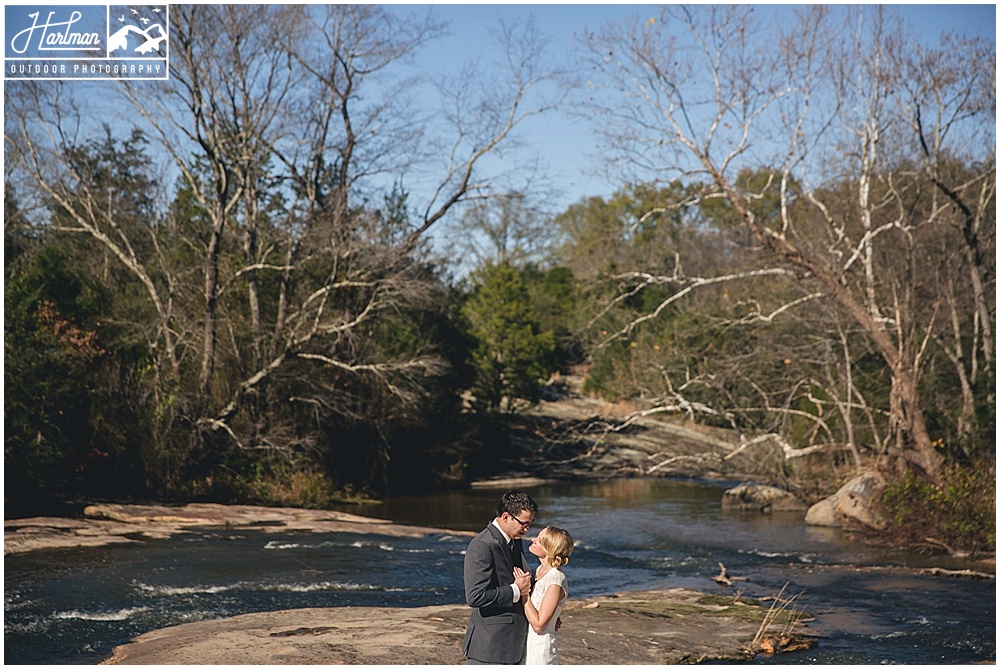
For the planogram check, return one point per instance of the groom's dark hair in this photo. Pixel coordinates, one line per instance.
(514, 502)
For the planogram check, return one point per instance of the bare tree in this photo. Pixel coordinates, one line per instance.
(225, 97)
(700, 94)
(949, 98)
(278, 153)
(41, 135)
(504, 228)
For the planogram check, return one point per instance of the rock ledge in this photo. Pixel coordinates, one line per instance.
(105, 524)
(652, 627)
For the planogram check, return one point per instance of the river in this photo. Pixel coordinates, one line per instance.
(73, 606)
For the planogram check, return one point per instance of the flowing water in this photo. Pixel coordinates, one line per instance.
(74, 606)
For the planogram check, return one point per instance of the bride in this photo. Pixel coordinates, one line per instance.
(552, 547)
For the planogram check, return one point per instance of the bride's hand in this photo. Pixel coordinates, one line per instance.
(523, 581)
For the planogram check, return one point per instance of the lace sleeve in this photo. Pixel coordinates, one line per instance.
(560, 580)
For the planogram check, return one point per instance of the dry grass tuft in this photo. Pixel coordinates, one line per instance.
(777, 631)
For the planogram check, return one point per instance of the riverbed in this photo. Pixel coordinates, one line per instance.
(73, 606)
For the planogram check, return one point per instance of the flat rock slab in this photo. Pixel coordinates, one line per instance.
(761, 498)
(651, 627)
(105, 524)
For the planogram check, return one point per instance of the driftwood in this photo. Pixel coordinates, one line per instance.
(959, 573)
(725, 579)
(785, 643)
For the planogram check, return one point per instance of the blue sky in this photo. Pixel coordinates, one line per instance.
(564, 143)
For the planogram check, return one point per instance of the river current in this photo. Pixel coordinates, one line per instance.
(73, 606)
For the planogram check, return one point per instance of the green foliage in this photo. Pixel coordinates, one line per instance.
(610, 365)
(77, 320)
(66, 426)
(513, 357)
(959, 515)
(734, 347)
(423, 440)
(555, 295)
(761, 188)
(640, 226)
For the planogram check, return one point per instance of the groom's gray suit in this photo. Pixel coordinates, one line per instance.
(498, 630)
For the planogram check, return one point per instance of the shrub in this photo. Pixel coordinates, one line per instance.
(301, 489)
(959, 515)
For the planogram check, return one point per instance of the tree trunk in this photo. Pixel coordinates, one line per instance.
(908, 411)
(258, 408)
(211, 304)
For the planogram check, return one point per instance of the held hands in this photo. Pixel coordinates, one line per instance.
(522, 580)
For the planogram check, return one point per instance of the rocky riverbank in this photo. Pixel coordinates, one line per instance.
(566, 436)
(654, 627)
(650, 627)
(106, 524)
(570, 436)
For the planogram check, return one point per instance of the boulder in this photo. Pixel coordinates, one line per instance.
(856, 503)
(763, 498)
(822, 513)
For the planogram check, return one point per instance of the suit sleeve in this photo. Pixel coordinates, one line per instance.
(482, 588)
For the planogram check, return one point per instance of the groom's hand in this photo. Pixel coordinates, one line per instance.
(522, 580)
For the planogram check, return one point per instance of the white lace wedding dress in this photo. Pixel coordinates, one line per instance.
(542, 647)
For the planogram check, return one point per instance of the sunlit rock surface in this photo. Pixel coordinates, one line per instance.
(856, 503)
(105, 524)
(656, 627)
(762, 498)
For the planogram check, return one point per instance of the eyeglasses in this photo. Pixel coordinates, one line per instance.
(524, 525)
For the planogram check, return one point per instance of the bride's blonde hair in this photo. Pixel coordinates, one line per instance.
(557, 543)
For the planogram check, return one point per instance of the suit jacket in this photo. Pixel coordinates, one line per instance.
(498, 630)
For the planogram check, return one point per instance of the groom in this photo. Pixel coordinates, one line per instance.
(498, 630)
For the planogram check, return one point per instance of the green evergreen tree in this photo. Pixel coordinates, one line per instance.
(513, 357)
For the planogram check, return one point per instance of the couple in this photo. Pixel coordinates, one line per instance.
(514, 615)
